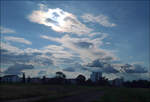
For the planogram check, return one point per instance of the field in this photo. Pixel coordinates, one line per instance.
(70, 93)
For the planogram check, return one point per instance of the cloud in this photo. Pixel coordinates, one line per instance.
(107, 67)
(69, 69)
(88, 49)
(54, 47)
(18, 68)
(135, 68)
(99, 65)
(100, 19)
(11, 54)
(84, 44)
(59, 21)
(17, 39)
(6, 30)
(41, 73)
(10, 48)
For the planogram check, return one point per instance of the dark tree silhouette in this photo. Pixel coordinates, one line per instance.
(44, 79)
(60, 75)
(103, 81)
(89, 82)
(60, 78)
(137, 84)
(28, 79)
(23, 78)
(81, 79)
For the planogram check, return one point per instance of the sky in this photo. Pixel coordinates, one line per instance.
(76, 37)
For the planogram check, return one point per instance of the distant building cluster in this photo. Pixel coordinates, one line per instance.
(95, 78)
(10, 78)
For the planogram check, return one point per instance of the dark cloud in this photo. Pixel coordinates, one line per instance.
(8, 57)
(69, 69)
(17, 68)
(103, 66)
(135, 68)
(95, 63)
(83, 44)
(109, 69)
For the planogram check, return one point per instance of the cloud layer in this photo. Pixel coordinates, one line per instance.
(87, 49)
(100, 19)
(135, 68)
(17, 39)
(18, 68)
(6, 30)
(59, 21)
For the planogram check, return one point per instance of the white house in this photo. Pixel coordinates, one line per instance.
(95, 76)
(10, 79)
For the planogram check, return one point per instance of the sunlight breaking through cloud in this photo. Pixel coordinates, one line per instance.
(59, 21)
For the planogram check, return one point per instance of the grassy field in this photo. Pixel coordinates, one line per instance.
(52, 92)
(19, 91)
(125, 95)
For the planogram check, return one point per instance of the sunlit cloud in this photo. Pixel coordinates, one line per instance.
(59, 20)
(17, 39)
(100, 19)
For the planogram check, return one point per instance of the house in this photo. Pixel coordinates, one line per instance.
(95, 76)
(10, 79)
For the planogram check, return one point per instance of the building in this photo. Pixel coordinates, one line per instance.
(95, 76)
(117, 82)
(10, 79)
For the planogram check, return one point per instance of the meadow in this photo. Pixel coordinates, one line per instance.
(62, 93)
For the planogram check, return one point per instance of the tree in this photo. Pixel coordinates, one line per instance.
(44, 79)
(60, 75)
(28, 79)
(23, 78)
(81, 79)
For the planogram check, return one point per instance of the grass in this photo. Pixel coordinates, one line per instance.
(53, 92)
(19, 91)
(125, 95)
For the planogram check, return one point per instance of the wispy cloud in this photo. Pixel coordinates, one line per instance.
(88, 49)
(100, 19)
(6, 30)
(59, 20)
(10, 48)
(17, 39)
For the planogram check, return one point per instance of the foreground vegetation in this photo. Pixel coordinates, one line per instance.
(125, 95)
(53, 92)
(19, 91)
